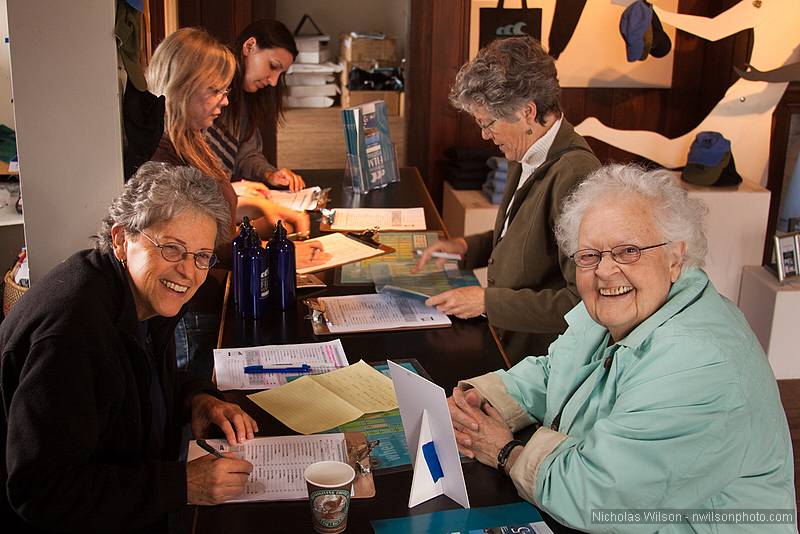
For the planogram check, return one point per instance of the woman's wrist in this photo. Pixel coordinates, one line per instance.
(512, 458)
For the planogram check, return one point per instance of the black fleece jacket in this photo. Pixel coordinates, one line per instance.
(76, 406)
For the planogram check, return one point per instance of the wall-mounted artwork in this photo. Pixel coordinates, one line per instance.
(744, 114)
(584, 36)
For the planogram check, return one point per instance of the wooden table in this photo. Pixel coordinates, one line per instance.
(465, 350)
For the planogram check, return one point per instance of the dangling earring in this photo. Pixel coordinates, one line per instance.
(529, 132)
(123, 262)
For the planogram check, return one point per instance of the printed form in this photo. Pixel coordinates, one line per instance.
(229, 364)
(279, 463)
(305, 199)
(381, 218)
(383, 311)
(343, 250)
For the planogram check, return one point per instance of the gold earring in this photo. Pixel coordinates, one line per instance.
(529, 132)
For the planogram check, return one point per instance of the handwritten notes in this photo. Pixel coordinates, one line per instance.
(316, 403)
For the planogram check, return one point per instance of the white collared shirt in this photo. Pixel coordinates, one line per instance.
(532, 160)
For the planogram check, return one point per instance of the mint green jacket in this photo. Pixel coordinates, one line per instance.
(683, 413)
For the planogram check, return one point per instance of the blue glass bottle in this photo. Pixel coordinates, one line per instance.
(282, 270)
(240, 243)
(256, 266)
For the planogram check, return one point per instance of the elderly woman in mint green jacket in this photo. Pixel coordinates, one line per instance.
(657, 397)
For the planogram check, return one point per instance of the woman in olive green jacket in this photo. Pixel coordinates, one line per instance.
(511, 89)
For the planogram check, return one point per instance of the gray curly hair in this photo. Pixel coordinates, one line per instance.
(159, 192)
(678, 217)
(506, 75)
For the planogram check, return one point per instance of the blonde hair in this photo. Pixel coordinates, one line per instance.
(187, 61)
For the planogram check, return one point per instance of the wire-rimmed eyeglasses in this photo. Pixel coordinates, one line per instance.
(588, 257)
(175, 252)
(486, 127)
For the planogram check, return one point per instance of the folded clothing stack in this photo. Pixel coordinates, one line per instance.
(495, 184)
(465, 167)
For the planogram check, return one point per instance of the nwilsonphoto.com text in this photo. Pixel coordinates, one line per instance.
(658, 516)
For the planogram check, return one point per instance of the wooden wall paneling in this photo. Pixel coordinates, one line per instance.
(242, 16)
(573, 103)
(156, 26)
(418, 93)
(450, 43)
(190, 13)
(636, 109)
(599, 103)
(686, 82)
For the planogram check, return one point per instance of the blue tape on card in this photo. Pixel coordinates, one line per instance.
(432, 459)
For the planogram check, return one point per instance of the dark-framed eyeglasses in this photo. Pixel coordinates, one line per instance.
(175, 252)
(486, 127)
(587, 258)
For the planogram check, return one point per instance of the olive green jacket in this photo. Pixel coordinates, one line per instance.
(531, 285)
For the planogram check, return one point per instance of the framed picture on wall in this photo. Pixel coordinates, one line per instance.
(787, 254)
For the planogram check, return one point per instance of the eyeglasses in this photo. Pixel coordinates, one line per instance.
(486, 127)
(175, 252)
(589, 257)
(219, 93)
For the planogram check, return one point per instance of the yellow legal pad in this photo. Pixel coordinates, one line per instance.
(315, 403)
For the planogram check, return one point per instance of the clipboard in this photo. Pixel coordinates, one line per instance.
(319, 322)
(365, 238)
(363, 484)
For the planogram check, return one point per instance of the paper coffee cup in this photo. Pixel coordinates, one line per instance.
(329, 486)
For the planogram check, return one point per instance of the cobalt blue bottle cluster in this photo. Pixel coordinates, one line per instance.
(282, 270)
(263, 278)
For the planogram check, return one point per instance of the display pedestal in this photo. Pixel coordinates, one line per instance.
(736, 226)
(773, 311)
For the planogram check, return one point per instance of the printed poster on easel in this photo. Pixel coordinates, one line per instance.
(585, 38)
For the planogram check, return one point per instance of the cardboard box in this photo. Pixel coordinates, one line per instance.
(360, 49)
(395, 100)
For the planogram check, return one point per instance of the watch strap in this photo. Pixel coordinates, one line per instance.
(505, 452)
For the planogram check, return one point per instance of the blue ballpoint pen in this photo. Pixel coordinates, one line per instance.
(261, 369)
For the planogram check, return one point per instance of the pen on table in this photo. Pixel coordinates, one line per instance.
(441, 255)
(208, 448)
(266, 369)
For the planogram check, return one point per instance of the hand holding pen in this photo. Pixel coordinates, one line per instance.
(216, 478)
(442, 250)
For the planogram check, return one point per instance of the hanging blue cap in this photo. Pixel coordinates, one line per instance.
(634, 24)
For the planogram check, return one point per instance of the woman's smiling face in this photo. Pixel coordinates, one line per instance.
(621, 296)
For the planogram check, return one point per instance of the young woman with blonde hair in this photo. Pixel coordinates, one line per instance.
(193, 71)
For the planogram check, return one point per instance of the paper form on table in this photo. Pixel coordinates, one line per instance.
(229, 364)
(381, 218)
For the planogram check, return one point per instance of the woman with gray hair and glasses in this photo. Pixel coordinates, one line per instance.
(658, 396)
(93, 405)
(511, 89)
